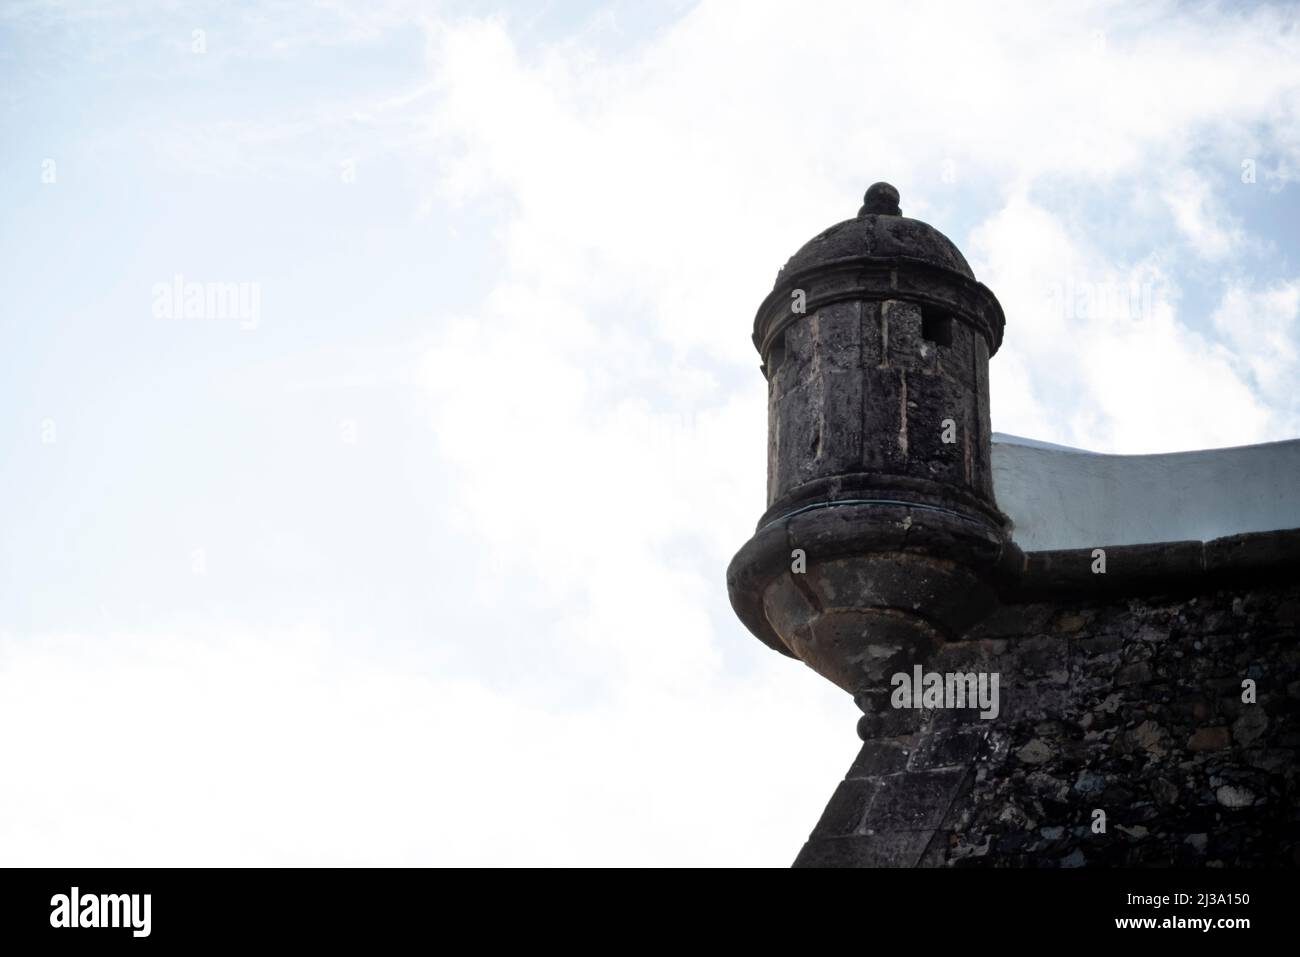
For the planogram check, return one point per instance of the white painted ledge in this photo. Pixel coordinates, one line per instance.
(1058, 497)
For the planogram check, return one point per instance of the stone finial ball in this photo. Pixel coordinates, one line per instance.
(881, 199)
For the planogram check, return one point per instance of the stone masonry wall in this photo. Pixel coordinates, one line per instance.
(856, 387)
(1131, 706)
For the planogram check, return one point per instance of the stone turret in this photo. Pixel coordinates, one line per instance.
(881, 538)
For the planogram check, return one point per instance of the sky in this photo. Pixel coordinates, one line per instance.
(413, 552)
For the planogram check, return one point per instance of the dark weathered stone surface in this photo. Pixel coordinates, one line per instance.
(874, 343)
(857, 387)
(878, 237)
(1128, 705)
(1190, 567)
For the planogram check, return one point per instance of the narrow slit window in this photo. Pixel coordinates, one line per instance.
(936, 326)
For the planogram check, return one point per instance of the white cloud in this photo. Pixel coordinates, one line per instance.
(1158, 386)
(1261, 328)
(1200, 217)
(1095, 354)
(256, 748)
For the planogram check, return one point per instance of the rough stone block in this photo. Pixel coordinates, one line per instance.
(878, 758)
(839, 445)
(882, 849)
(916, 800)
(932, 402)
(800, 437)
(956, 361)
(847, 808)
(871, 337)
(797, 347)
(837, 336)
(946, 749)
(883, 443)
(905, 348)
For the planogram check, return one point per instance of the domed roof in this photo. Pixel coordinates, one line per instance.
(879, 231)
